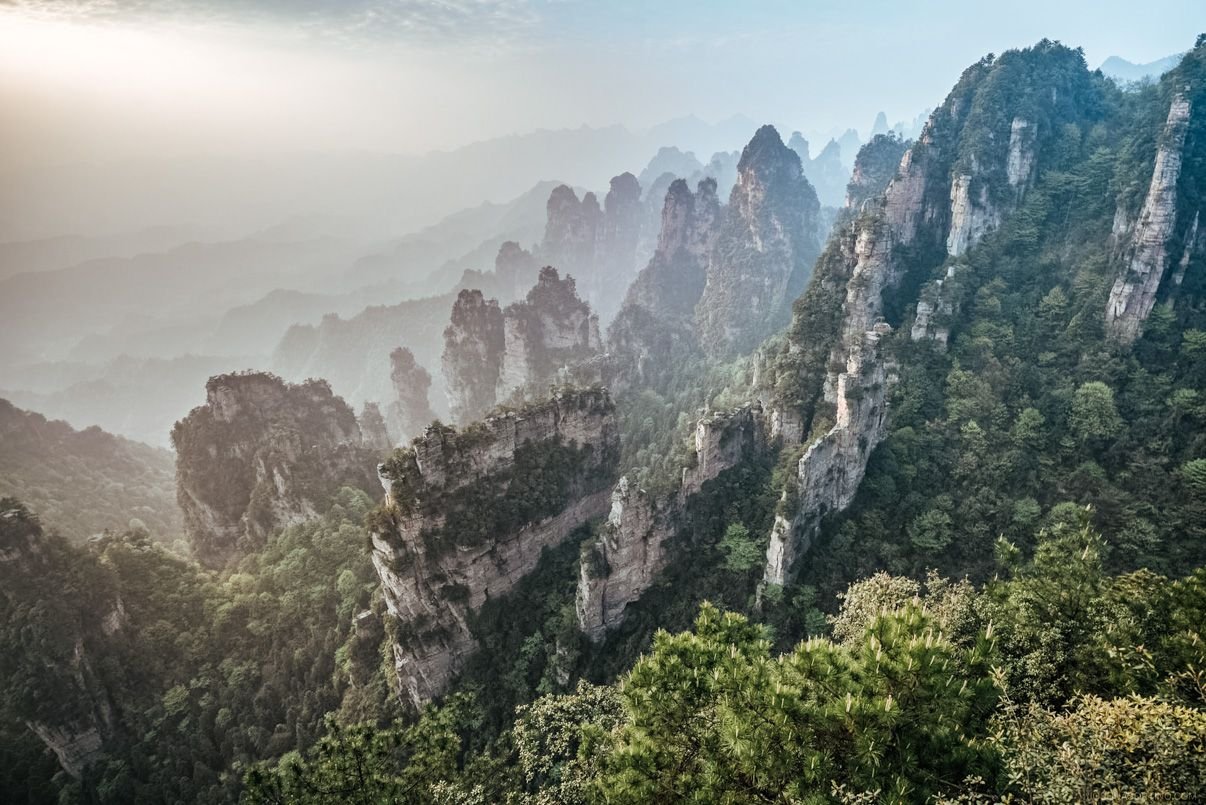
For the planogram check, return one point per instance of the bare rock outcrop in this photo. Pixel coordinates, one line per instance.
(472, 361)
(1146, 257)
(764, 252)
(552, 328)
(597, 245)
(656, 320)
(494, 356)
(969, 169)
(632, 548)
(261, 454)
(467, 514)
(410, 413)
(374, 435)
(833, 466)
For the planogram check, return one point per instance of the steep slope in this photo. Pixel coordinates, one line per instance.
(969, 168)
(468, 513)
(993, 241)
(764, 251)
(85, 482)
(58, 614)
(493, 356)
(261, 454)
(656, 320)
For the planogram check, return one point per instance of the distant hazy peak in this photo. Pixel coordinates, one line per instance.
(1121, 69)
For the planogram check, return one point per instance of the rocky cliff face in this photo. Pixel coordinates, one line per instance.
(632, 548)
(493, 356)
(1146, 256)
(467, 514)
(410, 413)
(374, 434)
(473, 348)
(549, 330)
(261, 454)
(71, 712)
(764, 251)
(874, 167)
(597, 246)
(969, 168)
(832, 467)
(658, 311)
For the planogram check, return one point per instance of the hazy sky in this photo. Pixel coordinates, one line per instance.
(101, 79)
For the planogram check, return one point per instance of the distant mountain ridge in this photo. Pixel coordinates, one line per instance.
(1121, 69)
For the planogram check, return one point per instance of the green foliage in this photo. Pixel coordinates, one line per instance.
(554, 738)
(85, 482)
(1094, 414)
(1121, 750)
(712, 717)
(741, 552)
(362, 764)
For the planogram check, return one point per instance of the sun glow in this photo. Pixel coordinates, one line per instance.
(99, 56)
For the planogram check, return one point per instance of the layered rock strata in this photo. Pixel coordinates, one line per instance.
(467, 514)
(262, 454)
(765, 249)
(410, 413)
(1146, 257)
(633, 546)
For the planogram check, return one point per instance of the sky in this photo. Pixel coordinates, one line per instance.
(97, 80)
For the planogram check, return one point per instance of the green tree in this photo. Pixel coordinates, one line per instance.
(1094, 414)
(713, 717)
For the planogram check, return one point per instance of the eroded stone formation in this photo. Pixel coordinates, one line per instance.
(633, 546)
(374, 434)
(261, 454)
(764, 252)
(657, 315)
(411, 412)
(493, 356)
(467, 514)
(598, 246)
(472, 360)
(1146, 256)
(968, 170)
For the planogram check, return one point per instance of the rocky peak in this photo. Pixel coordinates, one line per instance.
(468, 513)
(799, 144)
(473, 349)
(880, 126)
(548, 331)
(689, 220)
(514, 269)
(1146, 256)
(259, 455)
(633, 545)
(765, 248)
(411, 412)
(874, 167)
(374, 435)
(598, 246)
(968, 169)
